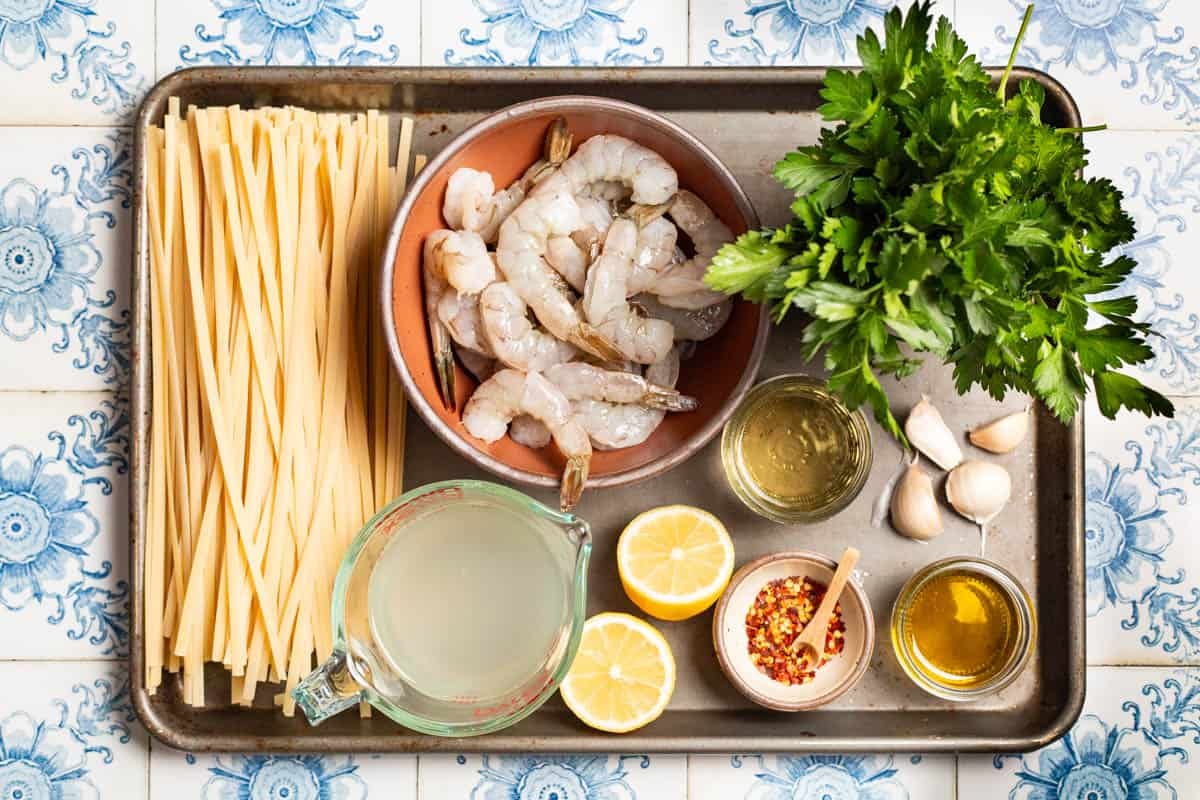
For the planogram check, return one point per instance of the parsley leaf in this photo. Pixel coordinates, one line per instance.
(939, 215)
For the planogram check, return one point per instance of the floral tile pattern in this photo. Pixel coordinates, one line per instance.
(1132, 64)
(268, 777)
(74, 72)
(70, 734)
(610, 33)
(857, 777)
(1135, 739)
(288, 32)
(72, 62)
(565, 777)
(64, 255)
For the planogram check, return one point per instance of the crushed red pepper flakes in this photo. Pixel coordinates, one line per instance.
(778, 614)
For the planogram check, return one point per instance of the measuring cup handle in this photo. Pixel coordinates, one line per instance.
(329, 690)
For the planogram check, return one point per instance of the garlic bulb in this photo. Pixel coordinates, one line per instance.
(914, 507)
(1001, 435)
(978, 490)
(929, 434)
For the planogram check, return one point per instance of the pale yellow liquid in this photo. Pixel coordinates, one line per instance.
(468, 601)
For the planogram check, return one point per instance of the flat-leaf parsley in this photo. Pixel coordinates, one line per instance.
(938, 217)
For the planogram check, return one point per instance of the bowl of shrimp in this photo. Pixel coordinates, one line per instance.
(543, 295)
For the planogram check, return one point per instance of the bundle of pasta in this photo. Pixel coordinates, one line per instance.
(278, 426)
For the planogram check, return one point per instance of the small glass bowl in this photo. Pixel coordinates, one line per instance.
(855, 457)
(1026, 621)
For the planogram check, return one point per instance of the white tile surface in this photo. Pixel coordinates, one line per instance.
(625, 777)
(75, 63)
(1136, 738)
(887, 777)
(300, 777)
(65, 230)
(1130, 64)
(554, 32)
(63, 526)
(69, 733)
(287, 32)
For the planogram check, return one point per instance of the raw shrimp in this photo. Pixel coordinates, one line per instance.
(607, 158)
(571, 255)
(479, 365)
(465, 261)
(435, 287)
(510, 392)
(682, 285)
(472, 202)
(528, 431)
(655, 252)
(579, 381)
(605, 304)
(461, 315)
(611, 426)
(521, 257)
(513, 339)
(690, 324)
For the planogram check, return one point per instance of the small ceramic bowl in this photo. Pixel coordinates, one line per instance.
(719, 373)
(835, 677)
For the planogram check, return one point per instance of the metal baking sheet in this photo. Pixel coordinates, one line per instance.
(750, 118)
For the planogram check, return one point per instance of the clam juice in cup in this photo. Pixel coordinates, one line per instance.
(457, 611)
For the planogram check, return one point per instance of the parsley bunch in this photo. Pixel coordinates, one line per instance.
(938, 217)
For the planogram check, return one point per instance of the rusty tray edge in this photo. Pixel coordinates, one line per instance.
(576, 80)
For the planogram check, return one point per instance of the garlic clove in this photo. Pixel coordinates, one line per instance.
(978, 490)
(1001, 435)
(915, 510)
(929, 434)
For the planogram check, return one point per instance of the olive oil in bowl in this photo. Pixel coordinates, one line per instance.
(793, 453)
(962, 628)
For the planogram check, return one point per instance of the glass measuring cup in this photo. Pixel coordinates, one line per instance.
(422, 604)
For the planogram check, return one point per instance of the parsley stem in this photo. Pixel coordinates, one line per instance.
(1012, 57)
(1087, 129)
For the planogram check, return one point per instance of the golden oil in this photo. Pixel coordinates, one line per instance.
(962, 628)
(793, 453)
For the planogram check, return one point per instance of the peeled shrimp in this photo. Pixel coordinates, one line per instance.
(638, 338)
(682, 285)
(694, 325)
(468, 195)
(479, 365)
(528, 431)
(512, 338)
(435, 287)
(465, 261)
(461, 315)
(607, 158)
(521, 257)
(655, 252)
(508, 393)
(611, 426)
(578, 381)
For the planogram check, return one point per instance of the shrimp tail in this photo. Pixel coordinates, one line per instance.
(643, 215)
(667, 399)
(558, 142)
(574, 477)
(590, 340)
(443, 361)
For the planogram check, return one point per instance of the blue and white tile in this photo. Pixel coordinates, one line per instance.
(1132, 64)
(64, 257)
(1143, 505)
(848, 777)
(64, 537)
(1160, 176)
(205, 776)
(753, 33)
(586, 777)
(607, 33)
(194, 33)
(67, 732)
(74, 62)
(1137, 738)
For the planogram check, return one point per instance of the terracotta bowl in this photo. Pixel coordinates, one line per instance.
(505, 144)
(835, 677)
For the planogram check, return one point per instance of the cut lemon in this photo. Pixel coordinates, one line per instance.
(623, 674)
(674, 561)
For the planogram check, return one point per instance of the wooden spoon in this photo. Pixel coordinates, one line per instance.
(811, 640)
